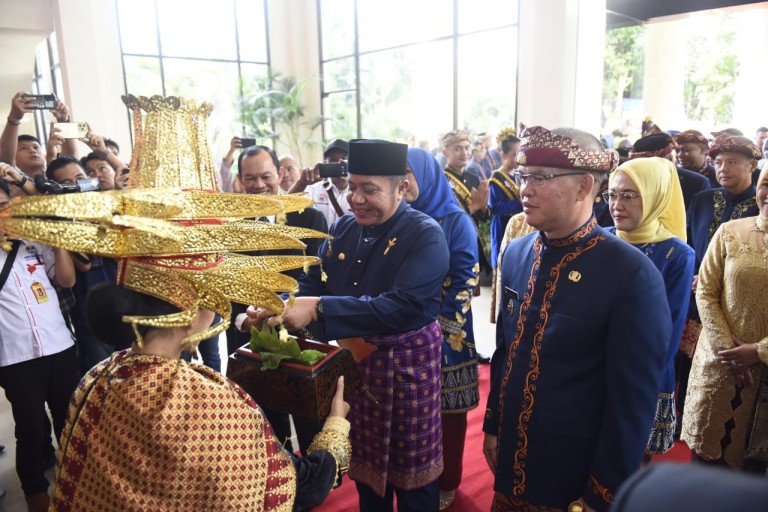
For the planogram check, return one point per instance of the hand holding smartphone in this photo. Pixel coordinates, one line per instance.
(71, 130)
(40, 101)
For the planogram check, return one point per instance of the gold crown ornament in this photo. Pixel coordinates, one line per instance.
(505, 133)
(175, 235)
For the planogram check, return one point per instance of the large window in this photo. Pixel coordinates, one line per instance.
(409, 71)
(46, 80)
(214, 51)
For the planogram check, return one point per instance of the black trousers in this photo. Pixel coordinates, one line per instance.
(423, 499)
(29, 385)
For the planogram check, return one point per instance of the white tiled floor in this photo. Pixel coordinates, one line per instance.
(13, 501)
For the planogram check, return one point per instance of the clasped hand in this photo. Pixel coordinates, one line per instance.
(739, 360)
(295, 316)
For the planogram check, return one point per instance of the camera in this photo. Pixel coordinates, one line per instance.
(40, 101)
(51, 187)
(333, 170)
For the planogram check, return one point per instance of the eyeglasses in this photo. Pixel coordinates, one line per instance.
(613, 197)
(538, 180)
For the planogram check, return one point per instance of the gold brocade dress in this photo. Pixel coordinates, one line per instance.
(732, 297)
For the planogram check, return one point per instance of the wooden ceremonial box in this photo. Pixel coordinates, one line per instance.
(295, 388)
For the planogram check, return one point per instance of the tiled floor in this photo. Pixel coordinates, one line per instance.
(13, 501)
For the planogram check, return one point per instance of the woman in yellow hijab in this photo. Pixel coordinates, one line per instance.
(646, 203)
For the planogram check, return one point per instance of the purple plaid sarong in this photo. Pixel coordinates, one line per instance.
(399, 440)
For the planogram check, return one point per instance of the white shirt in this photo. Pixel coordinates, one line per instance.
(319, 194)
(28, 328)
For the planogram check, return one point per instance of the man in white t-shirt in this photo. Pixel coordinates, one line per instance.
(38, 363)
(329, 194)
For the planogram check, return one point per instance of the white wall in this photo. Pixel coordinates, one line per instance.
(23, 25)
(91, 65)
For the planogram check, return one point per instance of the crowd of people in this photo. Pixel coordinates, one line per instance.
(628, 292)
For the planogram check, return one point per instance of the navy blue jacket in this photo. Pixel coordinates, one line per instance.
(582, 336)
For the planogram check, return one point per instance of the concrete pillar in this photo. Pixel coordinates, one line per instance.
(749, 110)
(664, 74)
(560, 72)
(294, 52)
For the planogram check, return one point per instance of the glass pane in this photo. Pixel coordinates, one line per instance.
(407, 92)
(214, 82)
(138, 26)
(339, 75)
(251, 29)
(341, 116)
(43, 67)
(337, 28)
(142, 76)
(197, 28)
(396, 22)
(477, 15)
(490, 107)
(255, 81)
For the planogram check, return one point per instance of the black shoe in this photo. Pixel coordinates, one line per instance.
(483, 359)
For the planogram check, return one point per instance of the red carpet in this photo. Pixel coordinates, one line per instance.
(476, 490)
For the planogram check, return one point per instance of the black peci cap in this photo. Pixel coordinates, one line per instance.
(374, 157)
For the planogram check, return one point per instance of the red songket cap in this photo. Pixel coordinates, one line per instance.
(691, 137)
(731, 144)
(547, 149)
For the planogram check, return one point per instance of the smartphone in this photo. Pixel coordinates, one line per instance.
(246, 142)
(333, 170)
(40, 101)
(72, 130)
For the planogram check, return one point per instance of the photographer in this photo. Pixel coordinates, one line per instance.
(37, 361)
(330, 194)
(97, 166)
(225, 172)
(17, 178)
(65, 170)
(109, 177)
(26, 151)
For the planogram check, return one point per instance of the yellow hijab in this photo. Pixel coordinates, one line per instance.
(663, 208)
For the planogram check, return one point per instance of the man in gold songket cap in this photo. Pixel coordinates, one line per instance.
(145, 430)
(575, 377)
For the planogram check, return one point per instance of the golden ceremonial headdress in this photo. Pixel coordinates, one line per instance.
(506, 133)
(176, 236)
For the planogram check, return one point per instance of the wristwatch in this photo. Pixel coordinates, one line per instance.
(21, 182)
(576, 506)
(319, 310)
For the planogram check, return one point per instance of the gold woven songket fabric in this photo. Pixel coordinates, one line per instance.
(132, 443)
(172, 230)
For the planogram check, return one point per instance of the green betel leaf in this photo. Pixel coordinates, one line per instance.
(310, 357)
(267, 342)
(270, 360)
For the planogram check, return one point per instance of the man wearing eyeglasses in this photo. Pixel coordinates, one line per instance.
(583, 330)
